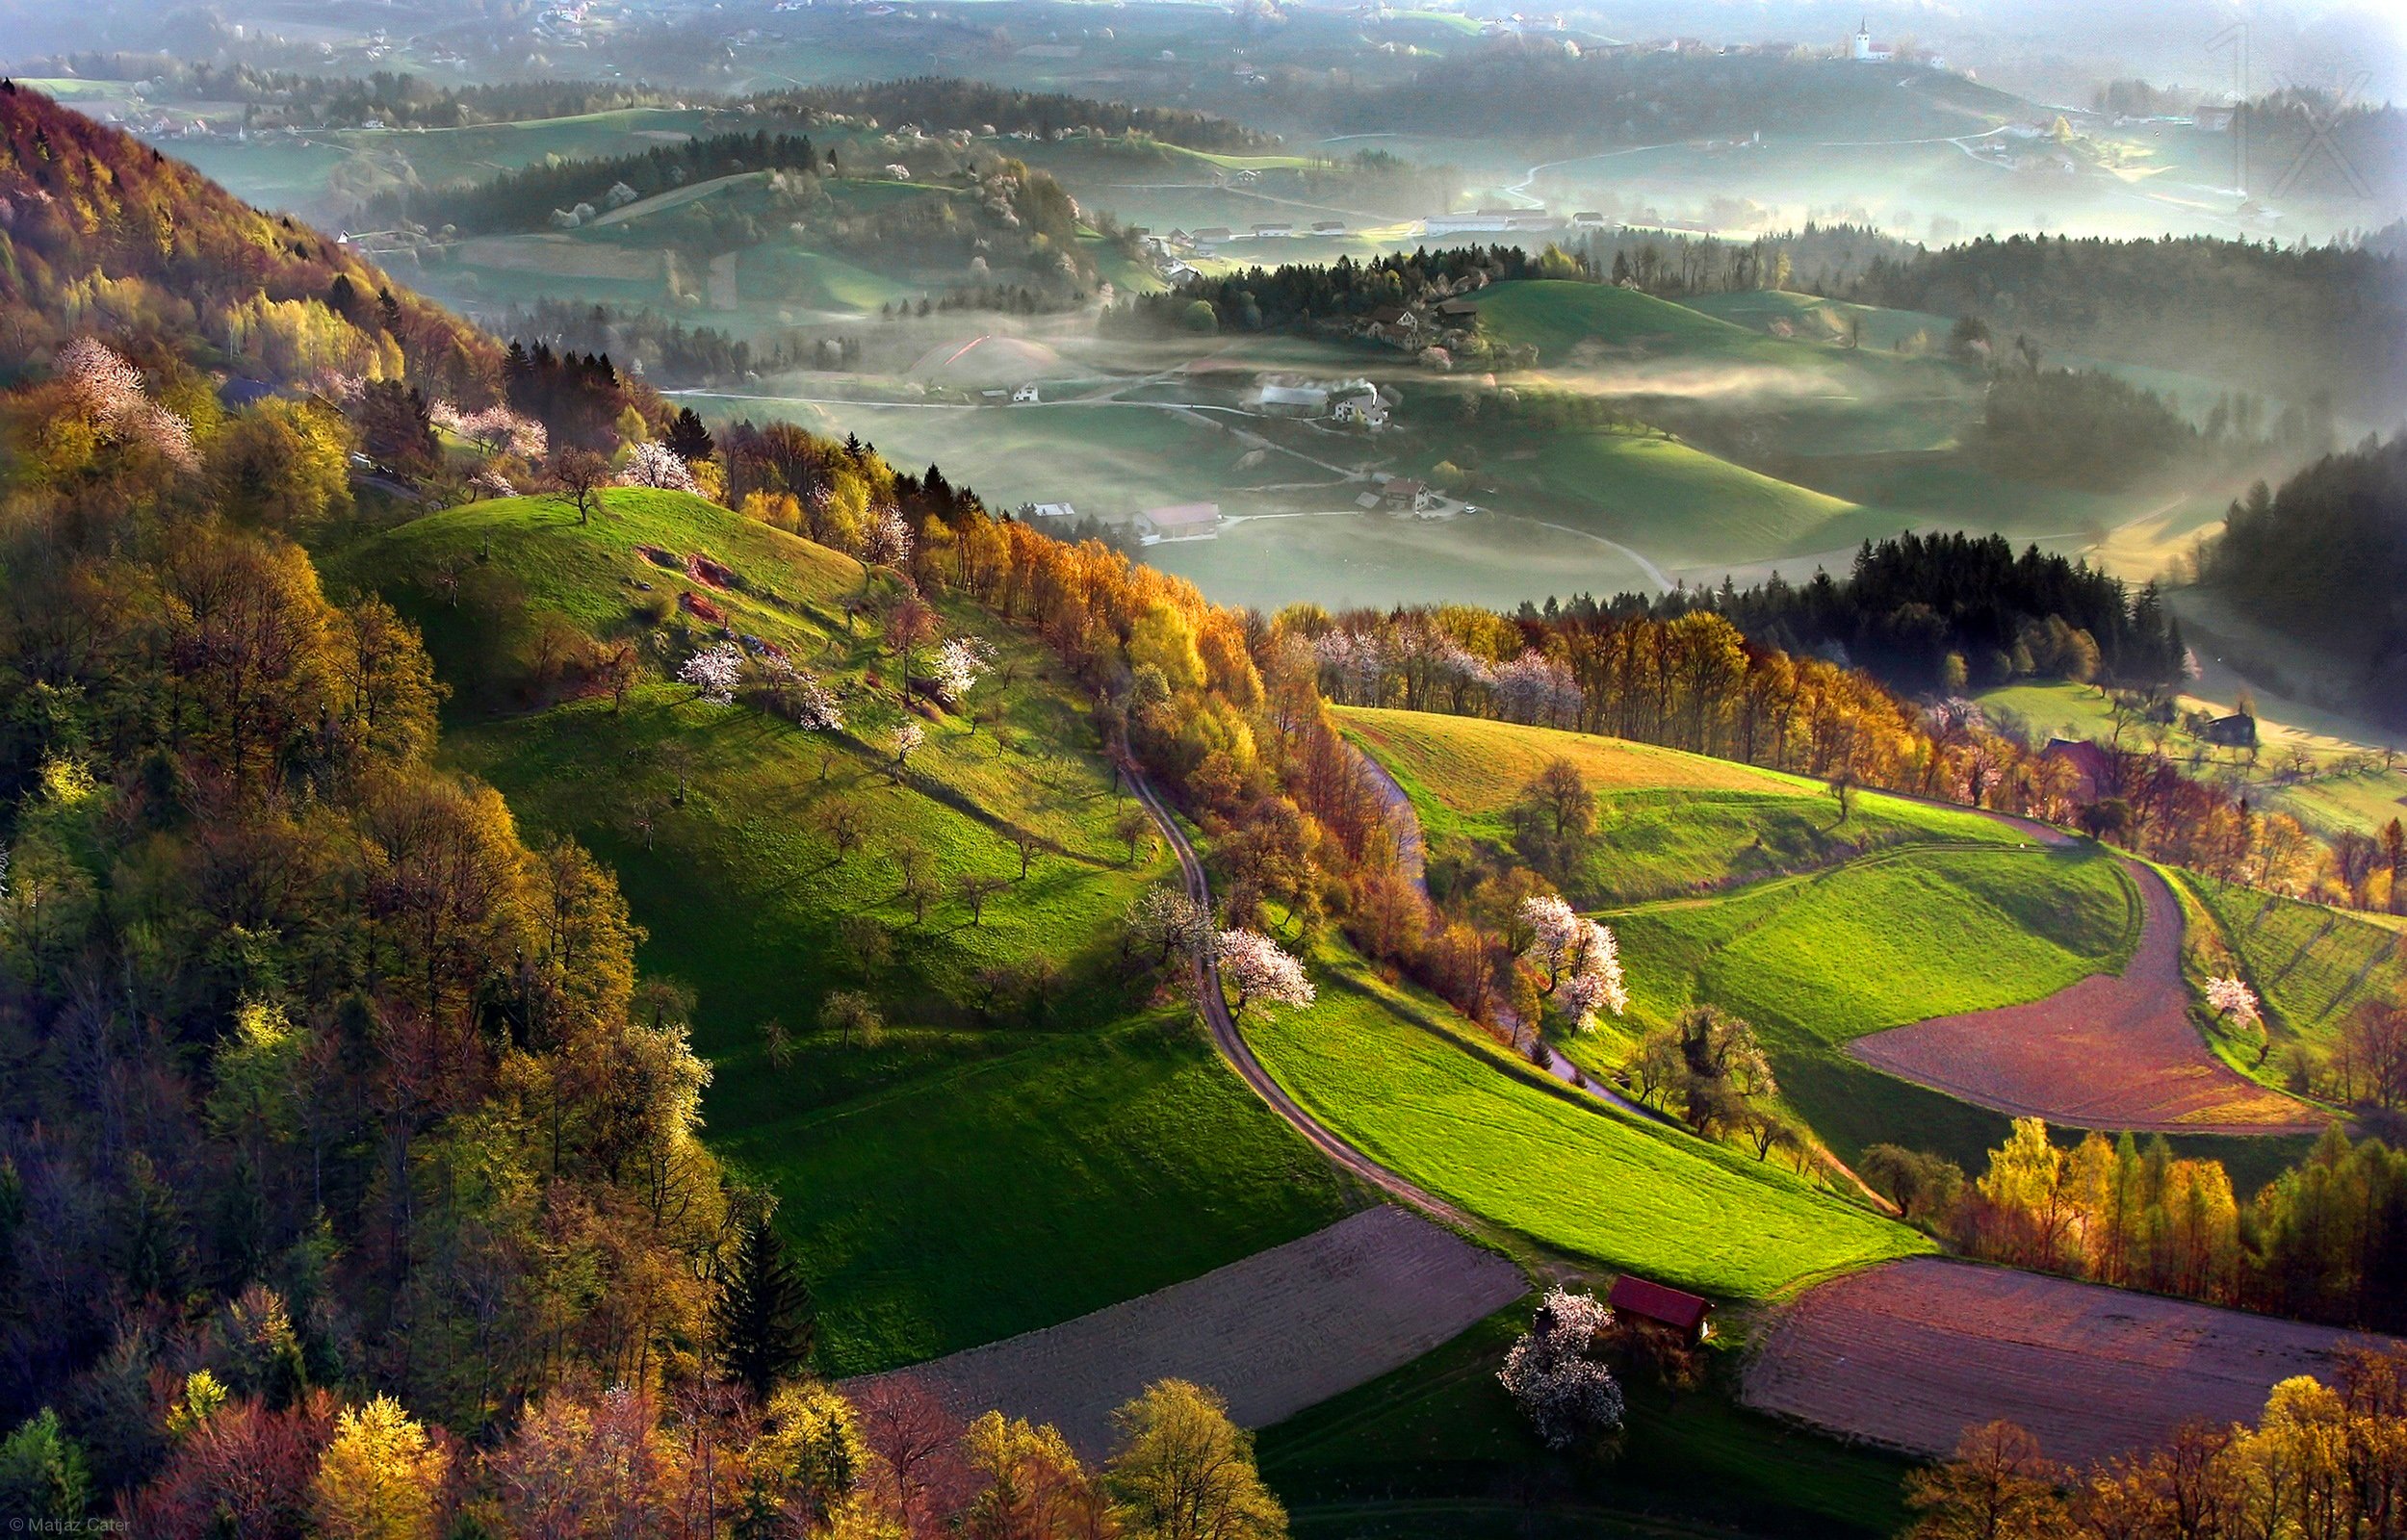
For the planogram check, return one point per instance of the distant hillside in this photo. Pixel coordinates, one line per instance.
(1645, 98)
(2324, 559)
(2295, 323)
(937, 102)
(99, 232)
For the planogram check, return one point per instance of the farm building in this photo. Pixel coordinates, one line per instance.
(1367, 409)
(1295, 401)
(1050, 510)
(1587, 219)
(1273, 232)
(1328, 227)
(2239, 731)
(1026, 394)
(1178, 521)
(1212, 235)
(1684, 1313)
(1457, 309)
(1404, 495)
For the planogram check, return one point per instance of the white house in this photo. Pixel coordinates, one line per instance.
(1273, 232)
(1050, 510)
(1026, 394)
(1178, 521)
(1367, 409)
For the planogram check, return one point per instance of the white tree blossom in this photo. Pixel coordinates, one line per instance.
(656, 466)
(908, 735)
(1536, 689)
(1167, 918)
(1580, 960)
(715, 671)
(2233, 997)
(1259, 969)
(109, 390)
(817, 709)
(1562, 1391)
(497, 427)
(957, 665)
(887, 542)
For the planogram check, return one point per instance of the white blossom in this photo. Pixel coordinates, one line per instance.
(887, 542)
(957, 665)
(1537, 689)
(908, 735)
(2233, 997)
(715, 671)
(1167, 918)
(497, 427)
(657, 465)
(1580, 958)
(815, 707)
(1259, 968)
(109, 390)
(1559, 1389)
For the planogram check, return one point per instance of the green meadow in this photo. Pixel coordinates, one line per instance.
(1031, 1137)
(1407, 1081)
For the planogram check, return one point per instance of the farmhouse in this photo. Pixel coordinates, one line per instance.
(1684, 1313)
(1026, 394)
(1457, 309)
(1050, 510)
(1178, 521)
(1587, 219)
(1212, 235)
(1295, 401)
(1404, 495)
(2239, 731)
(1273, 232)
(1367, 409)
(1329, 227)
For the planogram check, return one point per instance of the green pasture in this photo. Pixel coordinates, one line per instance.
(1402, 1078)
(1031, 1137)
(1436, 1450)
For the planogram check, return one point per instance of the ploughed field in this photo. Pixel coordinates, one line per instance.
(1911, 1354)
(1280, 1330)
(2114, 1051)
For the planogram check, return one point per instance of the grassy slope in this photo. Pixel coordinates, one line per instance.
(1668, 822)
(1675, 502)
(983, 1170)
(1407, 1081)
(2312, 968)
(1436, 1449)
(1949, 912)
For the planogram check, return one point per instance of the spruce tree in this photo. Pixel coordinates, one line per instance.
(766, 1320)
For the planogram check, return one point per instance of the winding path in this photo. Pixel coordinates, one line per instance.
(1233, 1048)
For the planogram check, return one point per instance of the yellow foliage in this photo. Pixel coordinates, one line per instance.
(379, 1479)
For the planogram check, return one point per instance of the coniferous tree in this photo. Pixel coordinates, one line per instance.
(765, 1320)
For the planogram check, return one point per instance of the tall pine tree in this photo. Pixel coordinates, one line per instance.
(765, 1320)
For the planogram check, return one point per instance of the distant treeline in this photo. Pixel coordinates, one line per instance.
(399, 101)
(668, 352)
(1912, 603)
(524, 199)
(1814, 258)
(2079, 428)
(1300, 294)
(2325, 560)
(2287, 321)
(940, 102)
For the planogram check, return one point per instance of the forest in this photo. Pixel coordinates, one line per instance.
(2296, 322)
(2324, 559)
(526, 198)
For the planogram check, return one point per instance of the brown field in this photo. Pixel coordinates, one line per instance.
(2114, 1051)
(1909, 1355)
(1275, 1332)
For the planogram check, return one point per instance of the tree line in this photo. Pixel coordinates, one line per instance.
(524, 198)
(2323, 1460)
(2322, 559)
(1343, 291)
(949, 102)
(2294, 322)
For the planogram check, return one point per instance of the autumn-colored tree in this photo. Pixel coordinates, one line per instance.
(380, 1478)
(1182, 1471)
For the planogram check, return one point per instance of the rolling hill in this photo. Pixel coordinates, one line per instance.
(1030, 1137)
